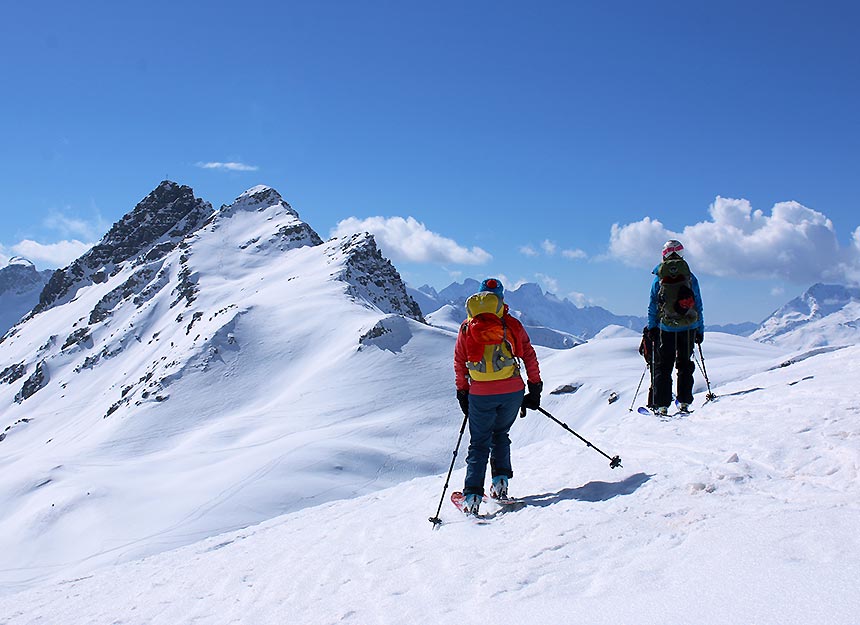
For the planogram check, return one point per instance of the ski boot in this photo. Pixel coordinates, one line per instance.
(471, 503)
(499, 488)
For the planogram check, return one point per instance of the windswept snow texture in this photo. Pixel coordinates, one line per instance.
(746, 511)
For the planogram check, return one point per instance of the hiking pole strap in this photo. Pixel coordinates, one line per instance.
(613, 462)
(435, 520)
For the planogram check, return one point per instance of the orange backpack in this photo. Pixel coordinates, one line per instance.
(490, 348)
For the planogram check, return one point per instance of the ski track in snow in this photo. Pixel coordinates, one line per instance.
(746, 512)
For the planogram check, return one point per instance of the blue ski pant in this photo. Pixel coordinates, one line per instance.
(490, 420)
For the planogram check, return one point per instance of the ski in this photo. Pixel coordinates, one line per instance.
(508, 503)
(663, 417)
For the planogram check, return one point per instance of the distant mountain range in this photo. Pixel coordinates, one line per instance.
(20, 286)
(550, 321)
(823, 315)
(826, 314)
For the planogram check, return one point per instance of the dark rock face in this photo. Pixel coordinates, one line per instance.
(35, 382)
(150, 231)
(373, 278)
(12, 373)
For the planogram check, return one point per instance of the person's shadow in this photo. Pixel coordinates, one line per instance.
(593, 491)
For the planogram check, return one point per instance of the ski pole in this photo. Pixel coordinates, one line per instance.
(435, 520)
(710, 396)
(613, 462)
(635, 395)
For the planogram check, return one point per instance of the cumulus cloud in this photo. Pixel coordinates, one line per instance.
(528, 250)
(793, 243)
(52, 255)
(549, 247)
(231, 166)
(409, 240)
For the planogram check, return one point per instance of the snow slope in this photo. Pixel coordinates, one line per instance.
(746, 511)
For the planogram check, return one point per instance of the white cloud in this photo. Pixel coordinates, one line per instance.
(549, 247)
(72, 227)
(574, 254)
(793, 243)
(410, 240)
(580, 299)
(231, 166)
(548, 283)
(52, 255)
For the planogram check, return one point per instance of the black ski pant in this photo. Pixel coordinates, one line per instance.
(673, 349)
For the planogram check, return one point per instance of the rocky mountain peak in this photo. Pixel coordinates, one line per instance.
(149, 231)
(260, 197)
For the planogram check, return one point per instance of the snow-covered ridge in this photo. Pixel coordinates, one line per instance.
(203, 359)
(825, 314)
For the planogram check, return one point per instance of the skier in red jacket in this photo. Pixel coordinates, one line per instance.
(491, 347)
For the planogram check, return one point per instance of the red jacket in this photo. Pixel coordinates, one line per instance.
(523, 350)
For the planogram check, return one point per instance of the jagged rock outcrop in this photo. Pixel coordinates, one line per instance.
(374, 279)
(36, 381)
(150, 231)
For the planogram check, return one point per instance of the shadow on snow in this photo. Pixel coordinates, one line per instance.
(593, 491)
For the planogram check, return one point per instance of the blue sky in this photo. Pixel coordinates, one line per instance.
(557, 143)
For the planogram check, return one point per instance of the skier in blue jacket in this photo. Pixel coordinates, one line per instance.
(675, 323)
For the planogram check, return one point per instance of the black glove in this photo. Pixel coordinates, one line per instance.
(531, 400)
(645, 345)
(654, 334)
(700, 336)
(463, 398)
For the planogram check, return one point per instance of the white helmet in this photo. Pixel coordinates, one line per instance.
(673, 246)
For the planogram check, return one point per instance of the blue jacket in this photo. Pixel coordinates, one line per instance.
(653, 305)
